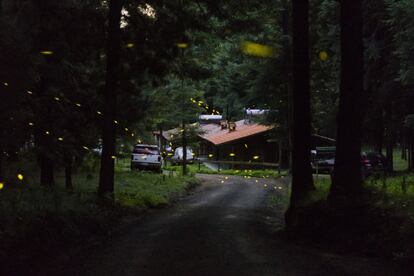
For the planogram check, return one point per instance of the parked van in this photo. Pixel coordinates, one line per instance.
(178, 156)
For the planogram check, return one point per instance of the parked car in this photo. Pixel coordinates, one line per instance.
(377, 160)
(178, 156)
(146, 157)
(323, 161)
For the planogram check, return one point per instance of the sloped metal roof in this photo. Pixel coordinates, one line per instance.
(214, 134)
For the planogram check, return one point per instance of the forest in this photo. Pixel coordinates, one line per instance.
(83, 81)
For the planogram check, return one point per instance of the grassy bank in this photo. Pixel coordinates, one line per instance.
(384, 226)
(38, 224)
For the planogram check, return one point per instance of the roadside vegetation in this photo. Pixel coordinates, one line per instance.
(383, 227)
(36, 221)
(196, 168)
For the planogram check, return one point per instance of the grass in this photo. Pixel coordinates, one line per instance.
(35, 221)
(194, 168)
(388, 221)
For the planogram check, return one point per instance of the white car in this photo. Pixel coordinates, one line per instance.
(146, 157)
(178, 156)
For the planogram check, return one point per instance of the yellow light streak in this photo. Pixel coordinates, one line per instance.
(20, 177)
(182, 45)
(323, 55)
(29, 92)
(46, 52)
(256, 49)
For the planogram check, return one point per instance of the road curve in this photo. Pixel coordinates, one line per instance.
(227, 227)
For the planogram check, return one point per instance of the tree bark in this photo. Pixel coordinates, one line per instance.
(302, 182)
(1, 164)
(184, 150)
(346, 189)
(46, 171)
(380, 133)
(106, 176)
(389, 137)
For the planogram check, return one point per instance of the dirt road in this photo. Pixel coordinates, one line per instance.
(228, 227)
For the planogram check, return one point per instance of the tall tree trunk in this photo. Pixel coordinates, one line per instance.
(106, 176)
(346, 187)
(46, 171)
(302, 182)
(389, 137)
(287, 61)
(380, 137)
(184, 149)
(68, 172)
(1, 164)
(46, 164)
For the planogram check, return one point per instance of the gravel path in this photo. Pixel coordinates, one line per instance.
(227, 227)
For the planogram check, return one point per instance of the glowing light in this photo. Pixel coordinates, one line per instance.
(60, 138)
(222, 181)
(210, 155)
(232, 154)
(170, 154)
(113, 157)
(115, 122)
(256, 49)
(57, 99)
(98, 112)
(323, 55)
(29, 92)
(226, 177)
(46, 53)
(182, 45)
(257, 181)
(130, 45)
(265, 185)
(31, 124)
(20, 177)
(132, 134)
(1, 185)
(280, 188)
(126, 129)
(245, 145)
(6, 84)
(85, 147)
(139, 141)
(256, 157)
(78, 104)
(47, 132)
